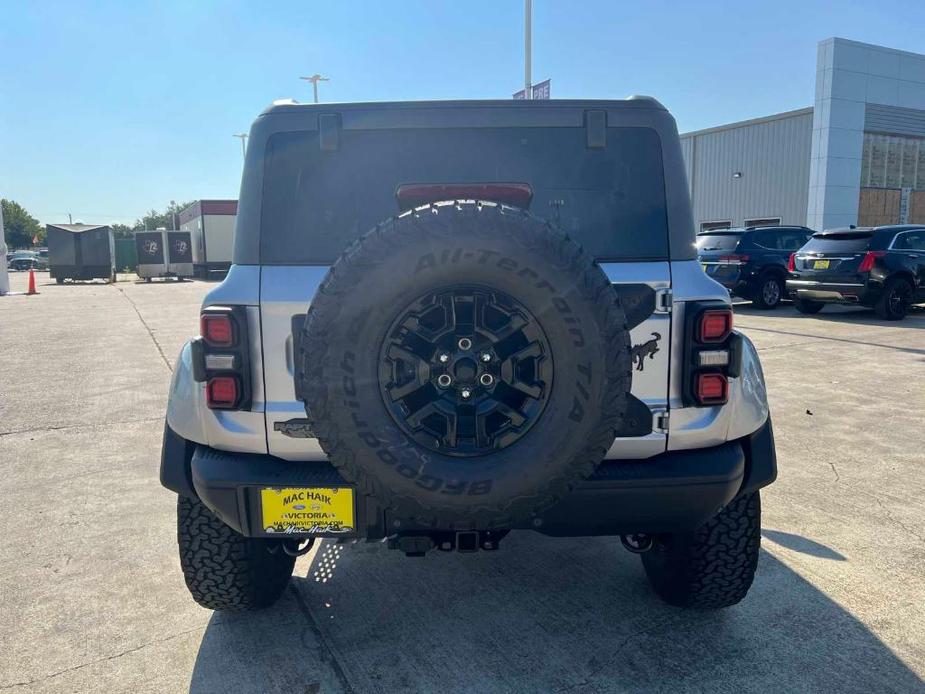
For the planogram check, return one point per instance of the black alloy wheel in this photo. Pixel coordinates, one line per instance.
(896, 299)
(465, 371)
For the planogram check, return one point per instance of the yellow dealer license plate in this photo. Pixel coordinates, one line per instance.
(308, 510)
(821, 265)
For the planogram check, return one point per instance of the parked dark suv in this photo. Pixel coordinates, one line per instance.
(751, 262)
(880, 267)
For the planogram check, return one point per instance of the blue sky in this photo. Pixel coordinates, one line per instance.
(108, 109)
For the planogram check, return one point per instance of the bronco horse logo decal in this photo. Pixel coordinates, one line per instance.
(646, 349)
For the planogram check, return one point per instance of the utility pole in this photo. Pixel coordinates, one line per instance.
(528, 30)
(70, 219)
(243, 137)
(315, 79)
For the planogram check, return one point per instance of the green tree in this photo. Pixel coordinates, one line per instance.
(19, 226)
(155, 219)
(121, 231)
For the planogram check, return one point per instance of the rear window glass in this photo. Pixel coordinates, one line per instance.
(315, 203)
(840, 243)
(717, 242)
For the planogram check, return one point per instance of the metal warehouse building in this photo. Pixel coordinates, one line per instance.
(857, 156)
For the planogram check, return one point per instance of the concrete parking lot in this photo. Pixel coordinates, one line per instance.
(92, 598)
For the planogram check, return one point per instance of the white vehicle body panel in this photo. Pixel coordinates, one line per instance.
(275, 295)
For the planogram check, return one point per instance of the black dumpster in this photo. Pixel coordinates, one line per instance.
(80, 252)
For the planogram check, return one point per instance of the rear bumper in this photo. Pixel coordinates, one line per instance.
(832, 292)
(675, 491)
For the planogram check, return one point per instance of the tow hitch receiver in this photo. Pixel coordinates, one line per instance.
(461, 541)
(467, 541)
(637, 543)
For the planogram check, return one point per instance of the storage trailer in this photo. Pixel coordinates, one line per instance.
(152, 261)
(210, 224)
(164, 253)
(179, 253)
(80, 252)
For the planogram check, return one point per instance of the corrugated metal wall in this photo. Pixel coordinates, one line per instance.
(772, 154)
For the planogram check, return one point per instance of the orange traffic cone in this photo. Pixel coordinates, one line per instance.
(31, 283)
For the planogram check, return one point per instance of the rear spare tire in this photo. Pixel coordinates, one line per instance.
(466, 364)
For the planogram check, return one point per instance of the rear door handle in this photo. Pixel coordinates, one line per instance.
(913, 255)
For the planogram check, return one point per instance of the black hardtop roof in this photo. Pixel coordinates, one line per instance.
(632, 102)
(287, 118)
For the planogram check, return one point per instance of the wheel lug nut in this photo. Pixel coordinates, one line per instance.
(465, 392)
(465, 344)
(444, 358)
(486, 379)
(486, 356)
(444, 380)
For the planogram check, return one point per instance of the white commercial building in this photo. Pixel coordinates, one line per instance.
(857, 156)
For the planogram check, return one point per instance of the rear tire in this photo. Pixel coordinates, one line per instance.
(713, 566)
(223, 569)
(806, 306)
(770, 292)
(896, 298)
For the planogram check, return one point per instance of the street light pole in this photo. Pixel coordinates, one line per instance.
(315, 79)
(528, 31)
(243, 137)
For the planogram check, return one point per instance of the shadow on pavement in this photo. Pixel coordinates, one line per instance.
(801, 544)
(857, 315)
(542, 615)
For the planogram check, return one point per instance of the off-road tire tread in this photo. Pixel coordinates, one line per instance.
(714, 566)
(365, 252)
(223, 569)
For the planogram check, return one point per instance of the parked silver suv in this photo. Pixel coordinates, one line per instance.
(446, 321)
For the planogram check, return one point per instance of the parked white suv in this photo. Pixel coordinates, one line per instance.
(446, 321)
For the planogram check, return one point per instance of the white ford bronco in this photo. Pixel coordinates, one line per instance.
(446, 321)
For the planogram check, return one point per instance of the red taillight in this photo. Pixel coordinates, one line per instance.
(415, 194)
(734, 259)
(715, 325)
(792, 263)
(712, 389)
(217, 329)
(222, 392)
(867, 264)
